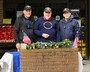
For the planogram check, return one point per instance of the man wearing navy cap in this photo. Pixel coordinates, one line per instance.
(45, 27)
(68, 27)
(24, 26)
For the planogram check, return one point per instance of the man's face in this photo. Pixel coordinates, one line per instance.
(27, 13)
(47, 14)
(66, 15)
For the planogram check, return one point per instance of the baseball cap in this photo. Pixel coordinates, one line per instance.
(66, 10)
(27, 7)
(47, 9)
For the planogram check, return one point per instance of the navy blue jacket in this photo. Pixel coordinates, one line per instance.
(45, 26)
(69, 29)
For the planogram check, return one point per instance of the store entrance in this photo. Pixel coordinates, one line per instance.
(12, 6)
(38, 7)
(56, 9)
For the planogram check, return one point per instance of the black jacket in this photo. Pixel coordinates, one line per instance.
(20, 26)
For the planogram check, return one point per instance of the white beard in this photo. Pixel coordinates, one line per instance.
(27, 16)
(47, 17)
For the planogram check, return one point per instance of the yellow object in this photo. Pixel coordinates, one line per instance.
(83, 49)
(6, 21)
(83, 52)
(83, 55)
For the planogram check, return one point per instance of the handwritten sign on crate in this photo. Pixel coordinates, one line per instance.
(49, 60)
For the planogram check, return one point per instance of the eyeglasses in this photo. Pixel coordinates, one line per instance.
(47, 12)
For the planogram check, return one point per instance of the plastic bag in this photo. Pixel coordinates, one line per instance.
(26, 39)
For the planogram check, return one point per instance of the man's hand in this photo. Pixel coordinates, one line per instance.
(45, 35)
(75, 46)
(18, 45)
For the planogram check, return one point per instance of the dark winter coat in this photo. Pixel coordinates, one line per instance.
(20, 27)
(68, 30)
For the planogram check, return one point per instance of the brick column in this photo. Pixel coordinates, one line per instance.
(89, 26)
(1, 10)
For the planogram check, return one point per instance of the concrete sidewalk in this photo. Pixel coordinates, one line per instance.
(86, 65)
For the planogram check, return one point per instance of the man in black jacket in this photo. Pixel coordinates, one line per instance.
(24, 23)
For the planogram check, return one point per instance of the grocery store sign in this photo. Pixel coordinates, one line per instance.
(6, 21)
(75, 13)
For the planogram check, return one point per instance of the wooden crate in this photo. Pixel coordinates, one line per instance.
(49, 60)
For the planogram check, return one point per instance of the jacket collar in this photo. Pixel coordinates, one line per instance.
(28, 18)
(47, 19)
(69, 20)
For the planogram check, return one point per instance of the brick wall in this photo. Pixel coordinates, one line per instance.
(89, 11)
(89, 27)
(49, 60)
(1, 10)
